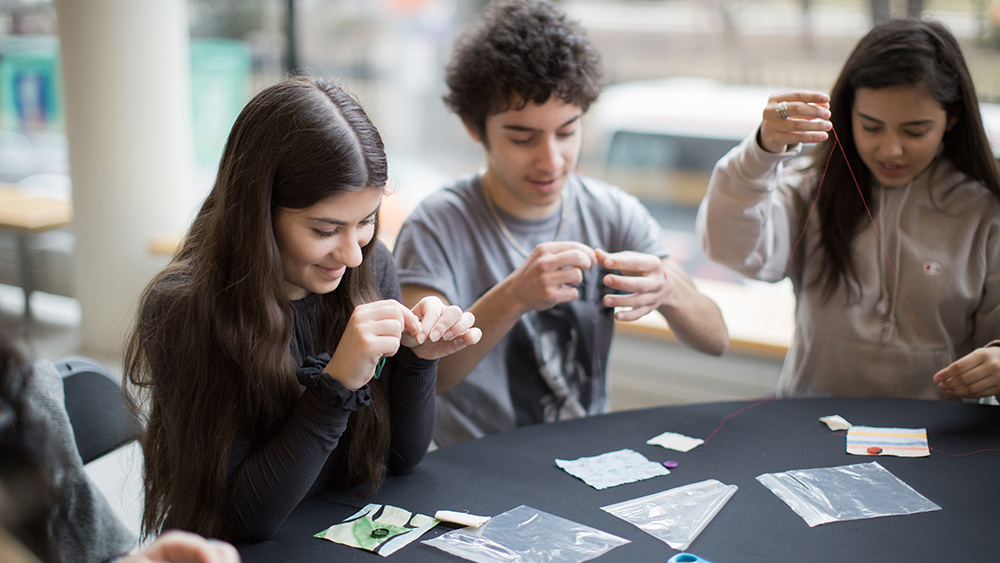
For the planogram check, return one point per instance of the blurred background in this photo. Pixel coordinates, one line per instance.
(113, 115)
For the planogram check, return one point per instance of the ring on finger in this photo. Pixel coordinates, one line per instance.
(782, 109)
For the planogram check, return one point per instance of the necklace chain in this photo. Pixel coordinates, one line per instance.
(503, 226)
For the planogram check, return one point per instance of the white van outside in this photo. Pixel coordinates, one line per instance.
(659, 139)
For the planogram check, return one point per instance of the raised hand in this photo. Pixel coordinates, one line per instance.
(794, 117)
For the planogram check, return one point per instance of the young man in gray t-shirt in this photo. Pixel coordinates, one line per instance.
(541, 256)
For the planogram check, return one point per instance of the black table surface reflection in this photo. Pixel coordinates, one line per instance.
(499, 472)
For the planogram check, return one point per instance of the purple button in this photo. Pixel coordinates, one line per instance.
(670, 464)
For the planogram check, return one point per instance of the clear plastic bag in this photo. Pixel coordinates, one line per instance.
(847, 492)
(678, 515)
(527, 535)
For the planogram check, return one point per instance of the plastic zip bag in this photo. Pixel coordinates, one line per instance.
(527, 535)
(678, 515)
(847, 492)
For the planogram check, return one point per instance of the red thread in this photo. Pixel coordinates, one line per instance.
(746, 408)
(772, 399)
(837, 143)
(884, 251)
(812, 208)
(963, 455)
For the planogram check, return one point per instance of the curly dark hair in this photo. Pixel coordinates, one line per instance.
(521, 51)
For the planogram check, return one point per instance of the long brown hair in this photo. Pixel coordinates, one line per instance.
(210, 356)
(899, 52)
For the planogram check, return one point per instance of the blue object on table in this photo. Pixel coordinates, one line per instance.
(687, 558)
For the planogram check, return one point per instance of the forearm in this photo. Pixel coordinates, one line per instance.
(740, 224)
(496, 314)
(695, 318)
(276, 476)
(413, 410)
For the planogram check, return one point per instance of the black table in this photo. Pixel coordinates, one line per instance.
(494, 474)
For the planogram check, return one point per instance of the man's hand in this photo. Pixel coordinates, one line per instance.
(550, 275)
(642, 279)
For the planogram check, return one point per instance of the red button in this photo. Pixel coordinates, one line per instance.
(874, 450)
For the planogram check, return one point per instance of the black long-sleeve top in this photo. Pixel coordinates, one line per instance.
(267, 482)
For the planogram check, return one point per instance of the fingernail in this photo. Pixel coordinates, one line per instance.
(435, 335)
(449, 335)
(421, 337)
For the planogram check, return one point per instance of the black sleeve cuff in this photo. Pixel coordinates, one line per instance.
(333, 392)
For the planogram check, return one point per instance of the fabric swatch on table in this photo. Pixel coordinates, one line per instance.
(613, 468)
(901, 442)
(382, 529)
(674, 441)
(835, 422)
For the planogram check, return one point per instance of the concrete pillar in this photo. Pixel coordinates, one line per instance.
(126, 84)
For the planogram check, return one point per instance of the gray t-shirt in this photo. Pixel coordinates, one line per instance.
(551, 365)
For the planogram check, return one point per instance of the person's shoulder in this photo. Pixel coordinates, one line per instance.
(453, 213)
(593, 186)
(381, 264)
(456, 197)
(603, 196)
(381, 258)
(955, 192)
(596, 189)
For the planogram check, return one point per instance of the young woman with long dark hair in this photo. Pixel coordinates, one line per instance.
(272, 353)
(905, 112)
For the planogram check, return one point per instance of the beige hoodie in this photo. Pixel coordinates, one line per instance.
(941, 233)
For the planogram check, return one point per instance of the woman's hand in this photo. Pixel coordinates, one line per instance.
(444, 329)
(374, 331)
(794, 117)
(973, 376)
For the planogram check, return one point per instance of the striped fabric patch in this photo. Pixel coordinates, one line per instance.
(902, 442)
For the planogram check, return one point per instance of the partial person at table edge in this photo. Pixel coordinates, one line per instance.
(541, 255)
(273, 353)
(925, 211)
(50, 510)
